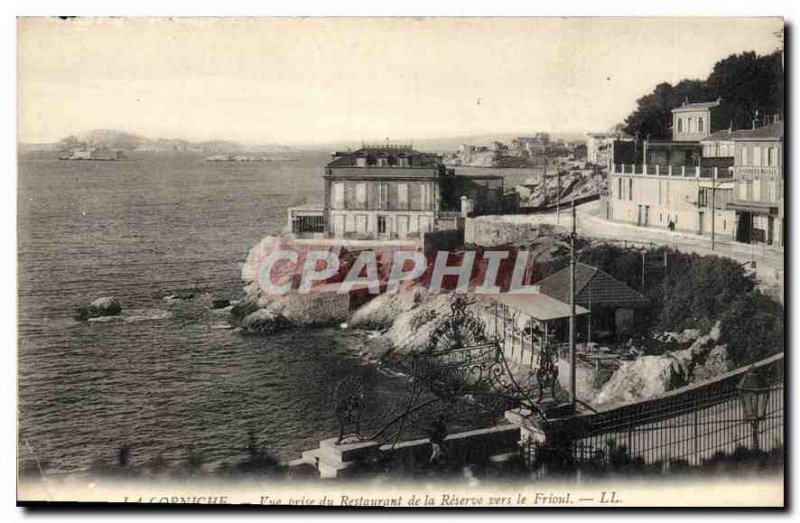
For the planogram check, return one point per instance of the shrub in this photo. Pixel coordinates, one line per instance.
(752, 327)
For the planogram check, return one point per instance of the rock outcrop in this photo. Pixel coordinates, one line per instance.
(99, 308)
(106, 306)
(382, 311)
(260, 312)
(651, 376)
(411, 330)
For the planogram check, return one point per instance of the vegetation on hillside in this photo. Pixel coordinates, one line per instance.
(692, 291)
(745, 82)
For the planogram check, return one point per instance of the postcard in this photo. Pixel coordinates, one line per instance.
(401, 262)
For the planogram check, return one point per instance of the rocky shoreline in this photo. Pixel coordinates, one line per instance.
(403, 322)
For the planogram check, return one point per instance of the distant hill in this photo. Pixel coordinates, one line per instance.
(120, 140)
(112, 139)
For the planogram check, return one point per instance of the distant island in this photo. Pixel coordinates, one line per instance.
(110, 144)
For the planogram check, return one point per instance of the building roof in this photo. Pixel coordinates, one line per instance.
(773, 131)
(416, 158)
(697, 106)
(618, 135)
(724, 135)
(539, 306)
(592, 287)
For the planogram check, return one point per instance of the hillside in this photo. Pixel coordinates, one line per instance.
(120, 140)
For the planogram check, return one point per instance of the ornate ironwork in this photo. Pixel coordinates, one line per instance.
(546, 372)
(461, 329)
(349, 409)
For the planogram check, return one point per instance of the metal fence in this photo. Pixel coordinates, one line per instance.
(686, 426)
(689, 424)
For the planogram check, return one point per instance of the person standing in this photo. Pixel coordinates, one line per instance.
(437, 434)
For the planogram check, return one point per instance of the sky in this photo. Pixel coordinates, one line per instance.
(315, 81)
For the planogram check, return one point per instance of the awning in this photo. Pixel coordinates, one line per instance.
(539, 306)
(752, 207)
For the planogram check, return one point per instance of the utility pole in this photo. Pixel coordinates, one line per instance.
(558, 196)
(665, 274)
(643, 266)
(572, 355)
(544, 183)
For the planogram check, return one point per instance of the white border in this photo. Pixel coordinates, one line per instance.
(606, 8)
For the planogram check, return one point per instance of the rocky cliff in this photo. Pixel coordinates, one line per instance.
(647, 377)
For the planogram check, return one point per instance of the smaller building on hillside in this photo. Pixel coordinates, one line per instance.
(530, 323)
(614, 306)
(606, 149)
(691, 123)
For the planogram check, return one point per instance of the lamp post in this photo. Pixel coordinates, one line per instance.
(753, 392)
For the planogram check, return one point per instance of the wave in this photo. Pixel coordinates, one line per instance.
(134, 316)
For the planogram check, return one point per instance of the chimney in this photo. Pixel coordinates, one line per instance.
(755, 120)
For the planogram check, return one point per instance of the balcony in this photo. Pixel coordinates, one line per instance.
(672, 171)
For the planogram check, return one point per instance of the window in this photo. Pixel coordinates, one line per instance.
(757, 190)
(699, 125)
(772, 156)
(383, 195)
(361, 195)
(425, 196)
(619, 188)
(744, 155)
(402, 195)
(680, 125)
(757, 156)
(381, 224)
(742, 186)
(689, 125)
(338, 196)
(630, 189)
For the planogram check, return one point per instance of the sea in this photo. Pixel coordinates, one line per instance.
(168, 380)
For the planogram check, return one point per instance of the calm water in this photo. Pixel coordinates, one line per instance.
(140, 230)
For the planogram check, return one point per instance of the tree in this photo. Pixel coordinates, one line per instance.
(746, 83)
(653, 115)
(752, 328)
(701, 290)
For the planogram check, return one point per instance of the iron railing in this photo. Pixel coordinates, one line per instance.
(683, 171)
(688, 425)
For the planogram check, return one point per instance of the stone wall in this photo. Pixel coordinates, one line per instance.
(332, 460)
(492, 231)
(442, 240)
